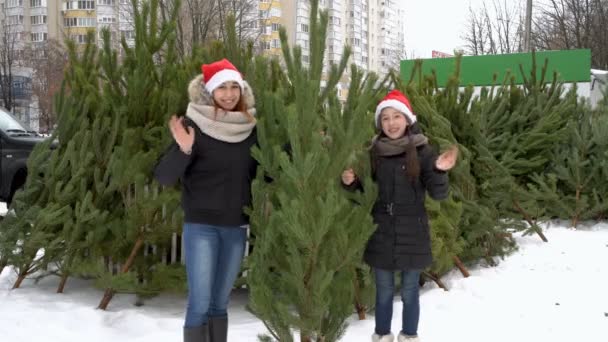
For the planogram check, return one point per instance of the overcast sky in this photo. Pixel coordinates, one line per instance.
(435, 25)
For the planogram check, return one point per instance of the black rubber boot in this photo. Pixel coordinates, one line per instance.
(197, 334)
(218, 329)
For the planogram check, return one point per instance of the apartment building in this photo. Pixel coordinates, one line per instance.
(373, 28)
(34, 22)
(41, 20)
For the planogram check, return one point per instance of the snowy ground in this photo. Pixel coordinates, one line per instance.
(544, 292)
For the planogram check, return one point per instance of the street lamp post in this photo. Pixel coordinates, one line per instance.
(527, 33)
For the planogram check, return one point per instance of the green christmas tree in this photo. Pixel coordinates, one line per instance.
(55, 179)
(309, 232)
(575, 186)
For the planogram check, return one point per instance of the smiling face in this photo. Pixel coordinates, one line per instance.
(393, 123)
(227, 95)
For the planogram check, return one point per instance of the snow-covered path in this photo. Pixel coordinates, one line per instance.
(544, 292)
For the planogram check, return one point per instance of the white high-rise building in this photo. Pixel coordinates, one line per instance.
(33, 23)
(42, 20)
(373, 28)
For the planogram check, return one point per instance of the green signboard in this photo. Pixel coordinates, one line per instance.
(571, 66)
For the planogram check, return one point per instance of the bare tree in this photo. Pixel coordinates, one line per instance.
(574, 24)
(196, 24)
(9, 38)
(48, 61)
(475, 36)
(557, 25)
(495, 30)
(202, 21)
(246, 16)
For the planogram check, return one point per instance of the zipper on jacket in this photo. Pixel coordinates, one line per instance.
(389, 209)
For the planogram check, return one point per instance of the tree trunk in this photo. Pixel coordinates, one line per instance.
(529, 220)
(3, 264)
(361, 311)
(64, 280)
(109, 293)
(461, 266)
(576, 213)
(107, 297)
(305, 338)
(436, 279)
(20, 279)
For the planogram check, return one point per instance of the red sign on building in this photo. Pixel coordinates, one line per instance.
(439, 54)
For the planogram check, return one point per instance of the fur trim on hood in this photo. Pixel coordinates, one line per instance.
(199, 95)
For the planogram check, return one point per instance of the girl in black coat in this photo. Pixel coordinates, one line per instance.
(405, 168)
(211, 157)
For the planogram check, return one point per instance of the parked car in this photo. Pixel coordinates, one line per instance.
(16, 144)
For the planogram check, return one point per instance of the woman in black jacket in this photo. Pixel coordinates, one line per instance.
(211, 157)
(405, 168)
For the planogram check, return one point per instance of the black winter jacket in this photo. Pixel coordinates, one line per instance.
(216, 178)
(402, 240)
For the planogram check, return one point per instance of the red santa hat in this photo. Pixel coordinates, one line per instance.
(219, 72)
(397, 100)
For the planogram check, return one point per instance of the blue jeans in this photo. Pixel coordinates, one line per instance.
(385, 289)
(213, 262)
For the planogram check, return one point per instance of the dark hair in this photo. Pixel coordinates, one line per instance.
(241, 106)
(412, 164)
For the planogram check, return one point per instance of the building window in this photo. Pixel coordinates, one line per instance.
(15, 19)
(275, 12)
(38, 36)
(79, 22)
(38, 19)
(304, 28)
(14, 3)
(86, 22)
(276, 27)
(106, 20)
(79, 38)
(128, 34)
(105, 2)
(276, 43)
(37, 3)
(86, 4)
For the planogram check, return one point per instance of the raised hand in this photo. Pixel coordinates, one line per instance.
(348, 177)
(182, 136)
(447, 159)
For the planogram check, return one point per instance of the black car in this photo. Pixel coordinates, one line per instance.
(16, 144)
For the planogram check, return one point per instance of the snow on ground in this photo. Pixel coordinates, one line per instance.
(556, 291)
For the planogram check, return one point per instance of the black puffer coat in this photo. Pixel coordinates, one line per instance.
(401, 240)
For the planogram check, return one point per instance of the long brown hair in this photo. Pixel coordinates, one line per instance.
(412, 164)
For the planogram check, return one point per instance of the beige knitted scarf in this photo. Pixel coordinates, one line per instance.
(226, 126)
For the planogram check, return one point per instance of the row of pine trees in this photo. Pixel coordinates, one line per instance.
(91, 209)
